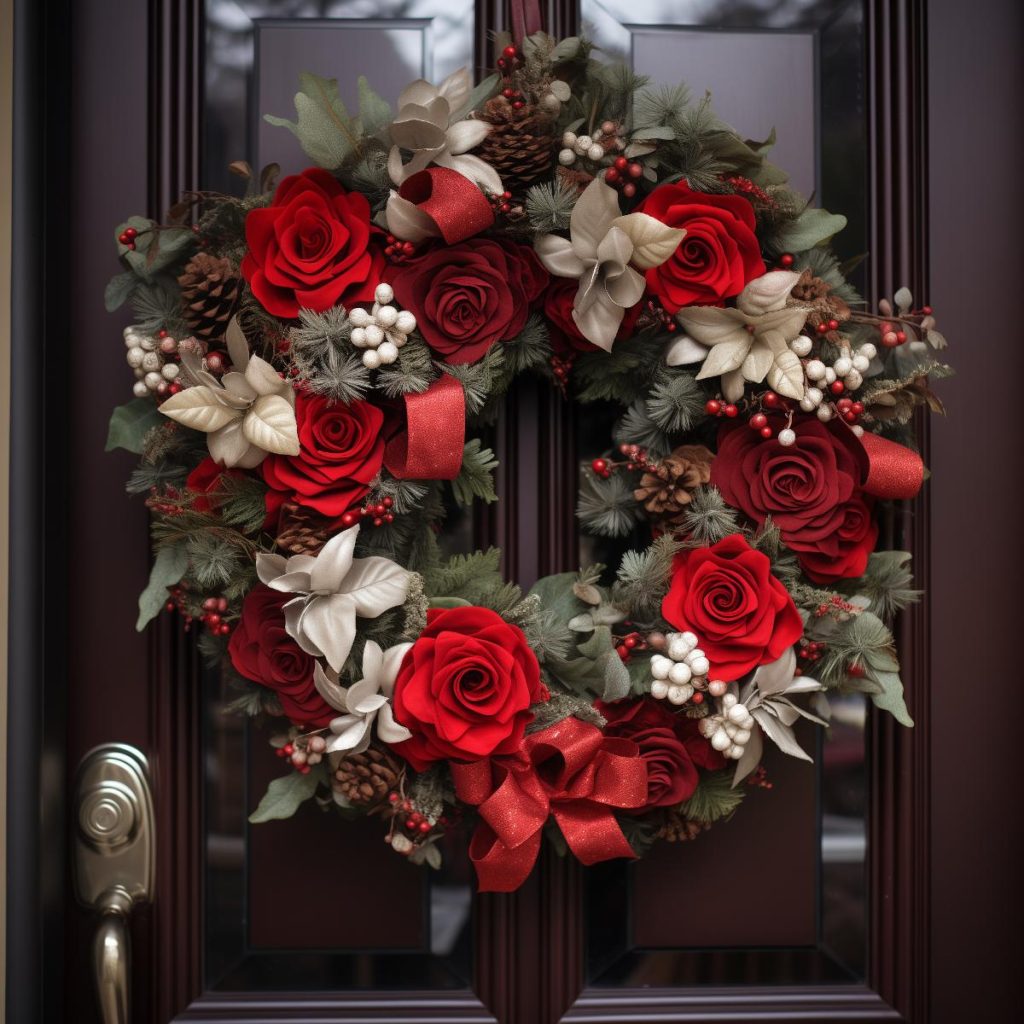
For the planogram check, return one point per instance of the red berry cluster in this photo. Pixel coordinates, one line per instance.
(212, 617)
(629, 643)
(827, 326)
(379, 513)
(759, 778)
(655, 316)
(415, 823)
(891, 336)
(288, 751)
(127, 237)
(636, 456)
(502, 202)
(849, 410)
(622, 174)
(561, 367)
(509, 59)
(397, 251)
(166, 502)
(514, 97)
(810, 650)
(758, 419)
(747, 187)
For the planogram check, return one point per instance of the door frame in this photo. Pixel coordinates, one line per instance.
(550, 905)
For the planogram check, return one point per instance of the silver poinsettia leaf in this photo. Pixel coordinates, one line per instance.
(333, 588)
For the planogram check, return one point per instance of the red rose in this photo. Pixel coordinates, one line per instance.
(810, 489)
(719, 254)
(469, 296)
(465, 688)
(341, 450)
(310, 249)
(742, 615)
(565, 335)
(262, 651)
(205, 481)
(670, 745)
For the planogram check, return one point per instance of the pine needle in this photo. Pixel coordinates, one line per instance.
(713, 799)
(607, 507)
(707, 519)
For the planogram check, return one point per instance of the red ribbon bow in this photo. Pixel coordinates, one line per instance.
(429, 445)
(570, 770)
(454, 203)
(893, 470)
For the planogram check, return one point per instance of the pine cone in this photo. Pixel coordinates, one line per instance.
(520, 145)
(210, 287)
(665, 488)
(302, 531)
(678, 829)
(366, 779)
(817, 294)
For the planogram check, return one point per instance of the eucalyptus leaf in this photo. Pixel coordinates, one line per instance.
(168, 568)
(813, 227)
(323, 126)
(891, 697)
(374, 111)
(285, 794)
(118, 290)
(130, 423)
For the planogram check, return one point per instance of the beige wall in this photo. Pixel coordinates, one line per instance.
(6, 43)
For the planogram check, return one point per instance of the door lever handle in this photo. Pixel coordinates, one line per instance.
(114, 861)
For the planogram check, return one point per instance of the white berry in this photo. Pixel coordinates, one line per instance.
(853, 380)
(170, 371)
(787, 436)
(360, 317)
(152, 380)
(824, 413)
(374, 335)
(680, 694)
(720, 741)
(858, 430)
(583, 144)
(815, 369)
(717, 688)
(406, 322)
(801, 345)
(678, 647)
(680, 673)
(569, 139)
(135, 356)
(659, 689)
(387, 316)
(371, 359)
(387, 351)
(595, 152)
(830, 375)
(842, 366)
(151, 361)
(660, 666)
(358, 337)
(139, 389)
(700, 666)
(868, 351)
(384, 293)
(860, 363)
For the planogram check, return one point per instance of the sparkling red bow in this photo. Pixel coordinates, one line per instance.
(571, 771)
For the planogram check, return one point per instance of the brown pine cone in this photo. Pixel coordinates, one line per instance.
(665, 488)
(302, 531)
(366, 779)
(210, 287)
(520, 145)
(817, 294)
(678, 829)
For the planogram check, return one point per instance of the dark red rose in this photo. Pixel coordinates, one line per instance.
(468, 297)
(810, 489)
(465, 688)
(565, 335)
(719, 255)
(204, 481)
(341, 450)
(310, 249)
(726, 594)
(262, 651)
(670, 745)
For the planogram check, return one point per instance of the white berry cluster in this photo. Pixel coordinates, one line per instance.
(146, 357)
(730, 728)
(590, 146)
(848, 368)
(381, 331)
(681, 670)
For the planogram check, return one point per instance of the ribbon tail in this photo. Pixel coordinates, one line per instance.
(500, 868)
(430, 446)
(592, 832)
(894, 471)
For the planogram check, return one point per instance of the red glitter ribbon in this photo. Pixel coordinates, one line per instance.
(430, 445)
(894, 471)
(571, 771)
(526, 19)
(453, 202)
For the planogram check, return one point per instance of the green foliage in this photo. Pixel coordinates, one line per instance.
(475, 479)
(622, 375)
(607, 507)
(287, 793)
(549, 205)
(325, 358)
(405, 495)
(812, 228)
(562, 706)
(156, 305)
(887, 583)
(168, 568)
(637, 427)
(643, 579)
(119, 289)
(478, 379)
(713, 799)
(430, 790)
(130, 423)
(707, 519)
(160, 474)
(468, 577)
(676, 402)
(528, 350)
(370, 177)
(242, 502)
(216, 564)
(666, 105)
(823, 263)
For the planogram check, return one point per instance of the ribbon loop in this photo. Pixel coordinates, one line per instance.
(450, 200)
(894, 471)
(430, 445)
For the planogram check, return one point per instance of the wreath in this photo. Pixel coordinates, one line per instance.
(310, 357)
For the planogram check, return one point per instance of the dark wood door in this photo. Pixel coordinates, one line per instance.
(124, 103)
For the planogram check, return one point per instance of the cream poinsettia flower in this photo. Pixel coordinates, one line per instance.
(748, 343)
(364, 704)
(427, 126)
(605, 252)
(245, 415)
(332, 588)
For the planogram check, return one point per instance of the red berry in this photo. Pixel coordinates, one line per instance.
(732, 411)
(901, 336)
(833, 325)
(392, 798)
(389, 518)
(379, 510)
(599, 465)
(843, 404)
(850, 417)
(767, 432)
(288, 749)
(758, 420)
(858, 408)
(508, 93)
(623, 652)
(927, 310)
(787, 259)
(518, 105)
(837, 387)
(629, 190)
(424, 827)
(378, 522)
(771, 400)
(630, 642)
(697, 698)
(349, 519)
(132, 233)
(510, 52)
(621, 163)
(635, 170)
(611, 176)
(712, 407)
(388, 502)
(501, 63)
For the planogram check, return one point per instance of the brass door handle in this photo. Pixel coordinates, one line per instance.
(114, 861)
